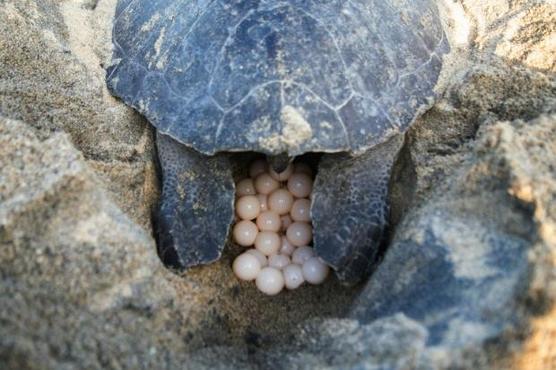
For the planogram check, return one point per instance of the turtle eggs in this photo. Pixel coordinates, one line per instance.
(274, 223)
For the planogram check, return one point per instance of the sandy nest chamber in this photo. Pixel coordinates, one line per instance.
(275, 280)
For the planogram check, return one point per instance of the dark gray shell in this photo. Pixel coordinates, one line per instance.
(277, 76)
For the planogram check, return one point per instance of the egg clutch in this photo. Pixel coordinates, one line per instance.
(274, 223)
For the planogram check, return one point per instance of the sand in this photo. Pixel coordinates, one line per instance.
(81, 285)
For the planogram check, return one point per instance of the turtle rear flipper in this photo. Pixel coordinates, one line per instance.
(350, 208)
(196, 207)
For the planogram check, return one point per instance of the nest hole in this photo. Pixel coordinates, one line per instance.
(239, 315)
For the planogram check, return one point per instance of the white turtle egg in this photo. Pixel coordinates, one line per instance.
(246, 267)
(269, 221)
(261, 257)
(245, 232)
(300, 185)
(267, 242)
(315, 271)
(301, 167)
(248, 207)
(299, 233)
(263, 200)
(280, 201)
(293, 276)
(265, 184)
(270, 281)
(245, 187)
(286, 248)
(279, 261)
(301, 210)
(282, 176)
(302, 254)
(257, 167)
(273, 217)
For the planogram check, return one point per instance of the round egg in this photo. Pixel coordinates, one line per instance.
(265, 184)
(246, 267)
(293, 276)
(280, 201)
(301, 210)
(267, 242)
(248, 207)
(270, 281)
(315, 271)
(300, 185)
(299, 233)
(245, 232)
(302, 254)
(269, 221)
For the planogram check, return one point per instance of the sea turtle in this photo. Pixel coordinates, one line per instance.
(345, 78)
